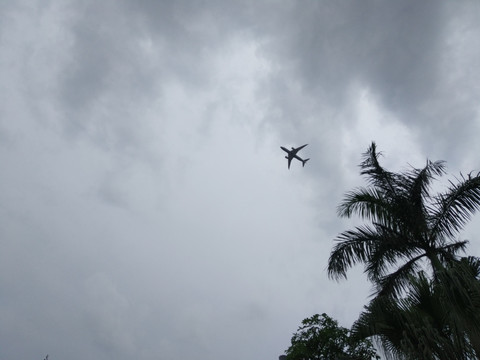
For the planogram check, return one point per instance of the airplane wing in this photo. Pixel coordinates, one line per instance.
(295, 151)
(300, 148)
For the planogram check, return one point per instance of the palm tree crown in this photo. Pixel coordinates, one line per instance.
(407, 224)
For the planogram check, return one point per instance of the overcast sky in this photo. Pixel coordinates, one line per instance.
(146, 209)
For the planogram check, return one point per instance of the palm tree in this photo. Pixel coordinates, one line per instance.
(409, 226)
(416, 314)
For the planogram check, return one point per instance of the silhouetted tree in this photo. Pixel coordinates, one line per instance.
(416, 313)
(320, 338)
(407, 223)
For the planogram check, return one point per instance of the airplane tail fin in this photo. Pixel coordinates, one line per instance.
(304, 161)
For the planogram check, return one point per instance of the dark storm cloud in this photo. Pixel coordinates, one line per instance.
(125, 55)
(402, 52)
(111, 43)
(104, 75)
(390, 47)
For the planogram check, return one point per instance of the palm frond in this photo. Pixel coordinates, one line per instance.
(383, 321)
(415, 194)
(455, 207)
(398, 281)
(393, 247)
(352, 246)
(368, 203)
(413, 327)
(471, 266)
(448, 253)
(419, 180)
(377, 175)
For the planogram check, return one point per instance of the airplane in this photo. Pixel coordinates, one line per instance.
(293, 154)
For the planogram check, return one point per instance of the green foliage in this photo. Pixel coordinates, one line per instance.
(320, 338)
